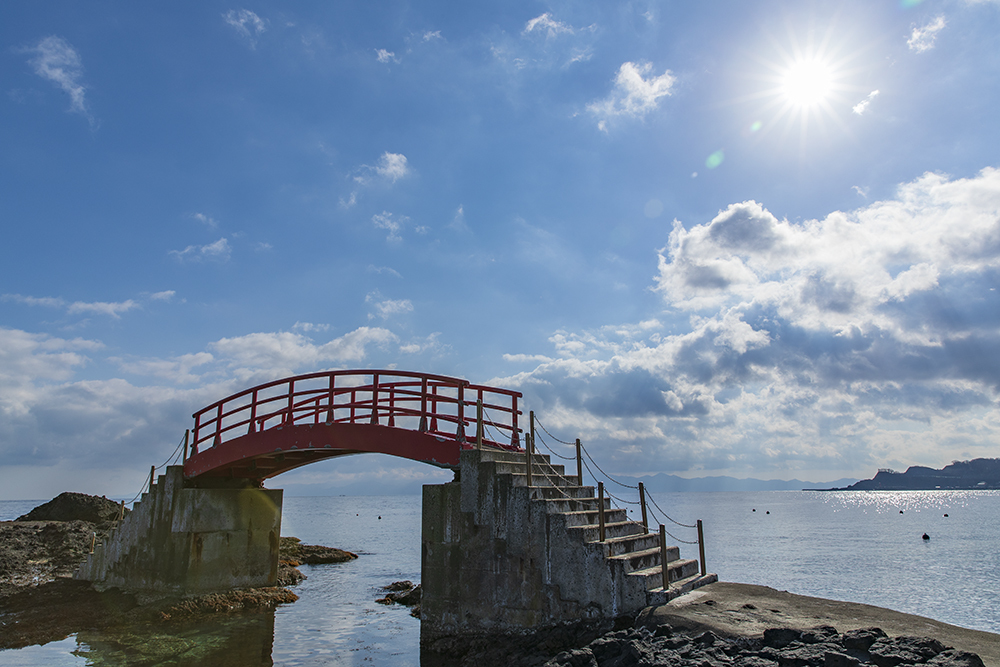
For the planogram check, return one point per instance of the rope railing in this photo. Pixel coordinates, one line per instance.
(646, 500)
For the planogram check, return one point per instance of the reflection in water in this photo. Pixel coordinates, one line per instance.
(235, 640)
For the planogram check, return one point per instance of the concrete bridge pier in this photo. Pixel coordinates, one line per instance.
(184, 541)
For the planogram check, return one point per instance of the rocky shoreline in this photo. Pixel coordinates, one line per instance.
(40, 602)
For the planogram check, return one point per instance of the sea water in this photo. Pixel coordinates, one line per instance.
(856, 546)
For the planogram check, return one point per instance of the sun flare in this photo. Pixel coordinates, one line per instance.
(807, 83)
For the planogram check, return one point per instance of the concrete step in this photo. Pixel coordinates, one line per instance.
(611, 530)
(590, 517)
(511, 457)
(636, 561)
(678, 570)
(575, 492)
(537, 469)
(657, 596)
(521, 479)
(639, 541)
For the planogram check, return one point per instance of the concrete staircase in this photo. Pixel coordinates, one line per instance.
(627, 547)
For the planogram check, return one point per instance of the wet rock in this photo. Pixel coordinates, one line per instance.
(781, 637)
(292, 550)
(70, 506)
(862, 639)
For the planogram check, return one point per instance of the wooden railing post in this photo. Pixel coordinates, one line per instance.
(330, 417)
(642, 501)
(527, 457)
(701, 549)
(252, 428)
(531, 420)
(218, 427)
(392, 406)
(374, 419)
(197, 427)
(479, 423)
(187, 437)
(663, 557)
(460, 433)
(290, 417)
(579, 464)
(600, 510)
(423, 406)
(515, 438)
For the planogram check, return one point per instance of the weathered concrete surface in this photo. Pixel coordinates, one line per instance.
(734, 610)
(191, 541)
(499, 556)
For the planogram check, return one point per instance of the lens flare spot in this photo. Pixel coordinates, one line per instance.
(653, 208)
(906, 4)
(715, 159)
(756, 125)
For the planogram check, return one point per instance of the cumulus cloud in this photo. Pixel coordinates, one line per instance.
(56, 60)
(922, 38)
(384, 56)
(207, 220)
(548, 25)
(864, 339)
(637, 91)
(392, 224)
(861, 107)
(385, 308)
(246, 24)
(429, 35)
(218, 251)
(389, 168)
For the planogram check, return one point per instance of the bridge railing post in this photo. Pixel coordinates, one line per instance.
(642, 502)
(579, 464)
(527, 457)
(187, 437)
(374, 419)
(252, 427)
(600, 510)
(663, 557)
(460, 433)
(423, 405)
(701, 549)
(531, 421)
(330, 416)
(515, 438)
(479, 421)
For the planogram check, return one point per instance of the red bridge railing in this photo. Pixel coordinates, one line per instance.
(433, 404)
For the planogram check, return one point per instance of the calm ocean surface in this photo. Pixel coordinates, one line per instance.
(853, 546)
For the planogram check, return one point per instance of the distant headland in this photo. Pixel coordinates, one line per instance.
(960, 475)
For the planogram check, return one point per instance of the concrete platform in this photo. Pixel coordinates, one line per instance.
(734, 610)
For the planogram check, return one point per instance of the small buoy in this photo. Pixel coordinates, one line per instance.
(946, 514)
(926, 536)
(754, 509)
(900, 511)
(379, 517)
(767, 512)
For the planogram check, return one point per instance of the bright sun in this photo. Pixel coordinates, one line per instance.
(807, 83)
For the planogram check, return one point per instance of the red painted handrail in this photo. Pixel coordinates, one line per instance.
(433, 404)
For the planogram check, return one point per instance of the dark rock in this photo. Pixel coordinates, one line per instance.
(821, 633)
(70, 506)
(836, 659)
(815, 655)
(753, 661)
(954, 658)
(396, 586)
(862, 639)
(781, 637)
(889, 652)
(577, 657)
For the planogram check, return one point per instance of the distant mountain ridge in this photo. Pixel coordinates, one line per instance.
(960, 475)
(664, 483)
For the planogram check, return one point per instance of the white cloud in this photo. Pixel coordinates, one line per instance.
(922, 38)
(637, 92)
(246, 24)
(56, 60)
(309, 326)
(861, 107)
(392, 166)
(384, 56)
(391, 223)
(218, 250)
(208, 221)
(837, 344)
(545, 23)
(385, 308)
(284, 353)
(165, 295)
(429, 35)
(112, 309)
(458, 221)
(178, 369)
(384, 269)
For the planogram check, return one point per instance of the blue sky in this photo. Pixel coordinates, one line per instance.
(756, 239)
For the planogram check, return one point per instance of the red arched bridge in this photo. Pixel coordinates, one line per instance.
(274, 427)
